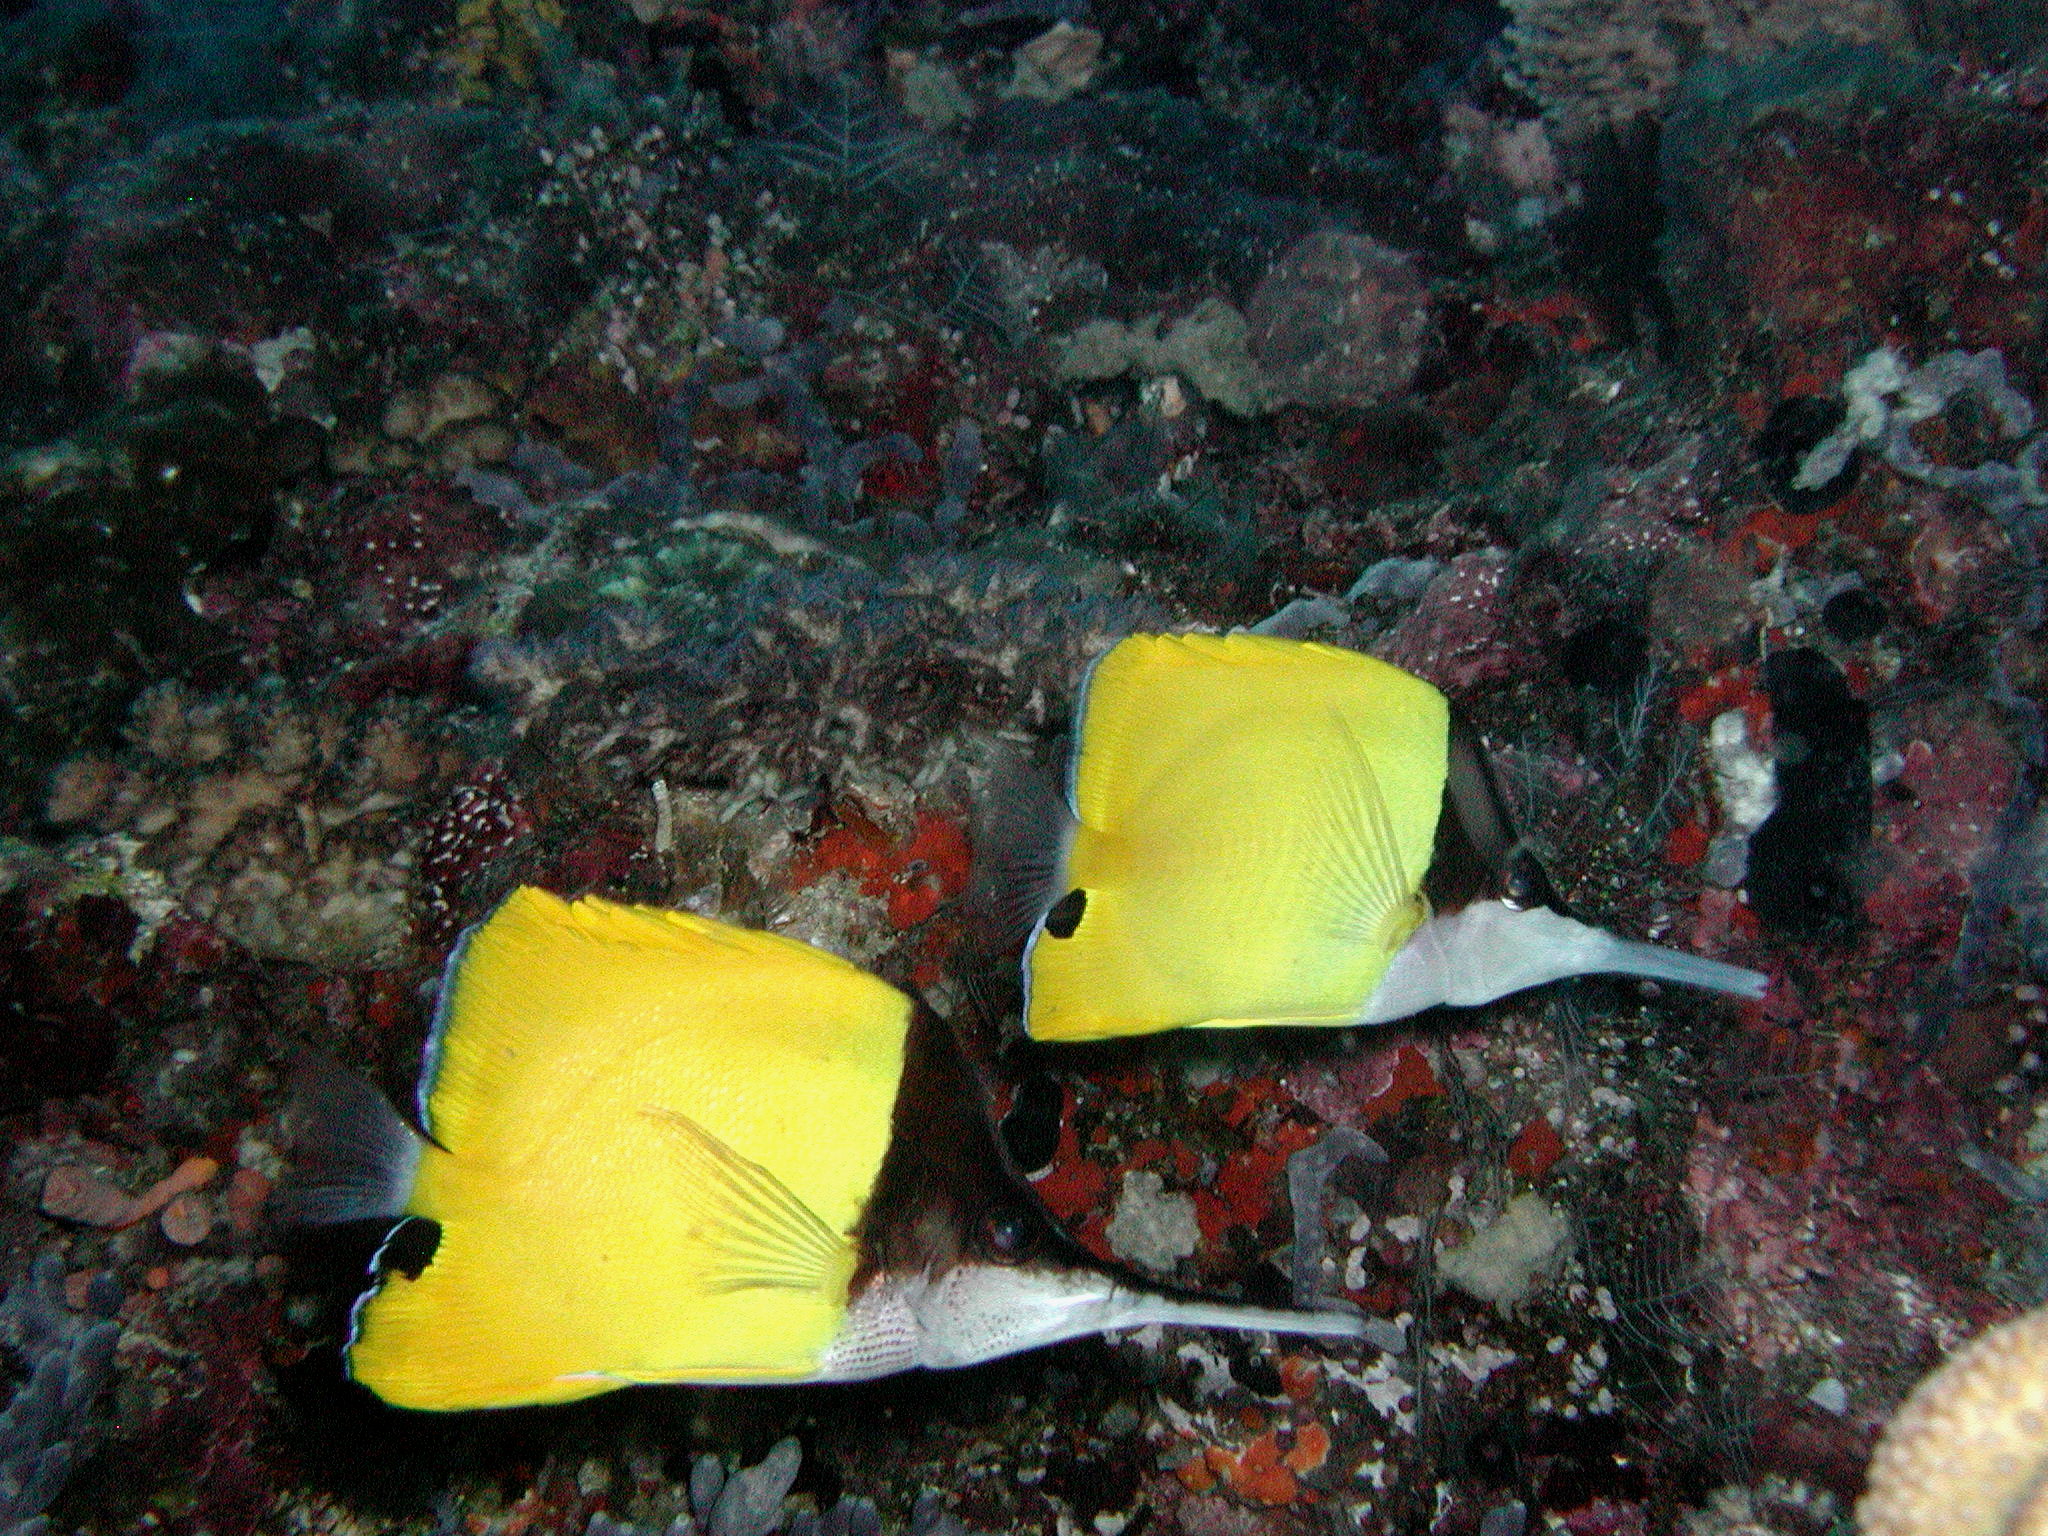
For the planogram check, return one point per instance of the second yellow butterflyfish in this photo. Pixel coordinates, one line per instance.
(1265, 831)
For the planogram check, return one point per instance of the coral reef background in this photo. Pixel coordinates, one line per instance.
(678, 451)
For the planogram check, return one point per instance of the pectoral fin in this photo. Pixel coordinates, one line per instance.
(753, 1231)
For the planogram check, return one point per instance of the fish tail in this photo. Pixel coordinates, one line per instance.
(1021, 837)
(353, 1158)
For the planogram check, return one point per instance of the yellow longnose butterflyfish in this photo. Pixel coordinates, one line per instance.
(1264, 831)
(658, 1148)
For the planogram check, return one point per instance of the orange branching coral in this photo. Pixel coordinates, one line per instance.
(1967, 1452)
(74, 1193)
(1263, 1471)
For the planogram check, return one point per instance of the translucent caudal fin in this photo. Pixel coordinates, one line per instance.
(351, 1157)
(1021, 834)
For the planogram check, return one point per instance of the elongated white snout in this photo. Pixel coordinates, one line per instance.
(1489, 949)
(978, 1312)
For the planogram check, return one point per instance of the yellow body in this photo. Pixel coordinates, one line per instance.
(1255, 819)
(654, 1135)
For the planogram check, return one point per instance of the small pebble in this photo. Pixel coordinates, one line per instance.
(707, 1481)
(187, 1220)
(751, 1504)
(1829, 1396)
(77, 1287)
(247, 1191)
(193, 1173)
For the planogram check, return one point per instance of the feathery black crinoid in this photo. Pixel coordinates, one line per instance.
(844, 140)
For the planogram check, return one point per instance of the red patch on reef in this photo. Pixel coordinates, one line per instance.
(1247, 1099)
(911, 411)
(1686, 845)
(915, 873)
(1074, 1184)
(1243, 1193)
(1767, 535)
(1729, 688)
(1561, 316)
(1186, 1164)
(1535, 1149)
(1367, 1089)
(1830, 219)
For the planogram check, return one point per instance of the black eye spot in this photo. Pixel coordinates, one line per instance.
(1009, 1233)
(1031, 1129)
(410, 1247)
(1065, 914)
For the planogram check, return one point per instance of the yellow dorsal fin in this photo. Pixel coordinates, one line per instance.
(632, 1107)
(754, 1231)
(1256, 816)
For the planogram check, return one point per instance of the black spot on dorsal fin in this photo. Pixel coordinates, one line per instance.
(409, 1248)
(1064, 916)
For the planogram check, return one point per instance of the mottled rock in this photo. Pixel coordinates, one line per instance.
(1152, 1227)
(1339, 319)
(1502, 1264)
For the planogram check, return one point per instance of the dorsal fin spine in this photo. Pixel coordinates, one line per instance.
(437, 1030)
